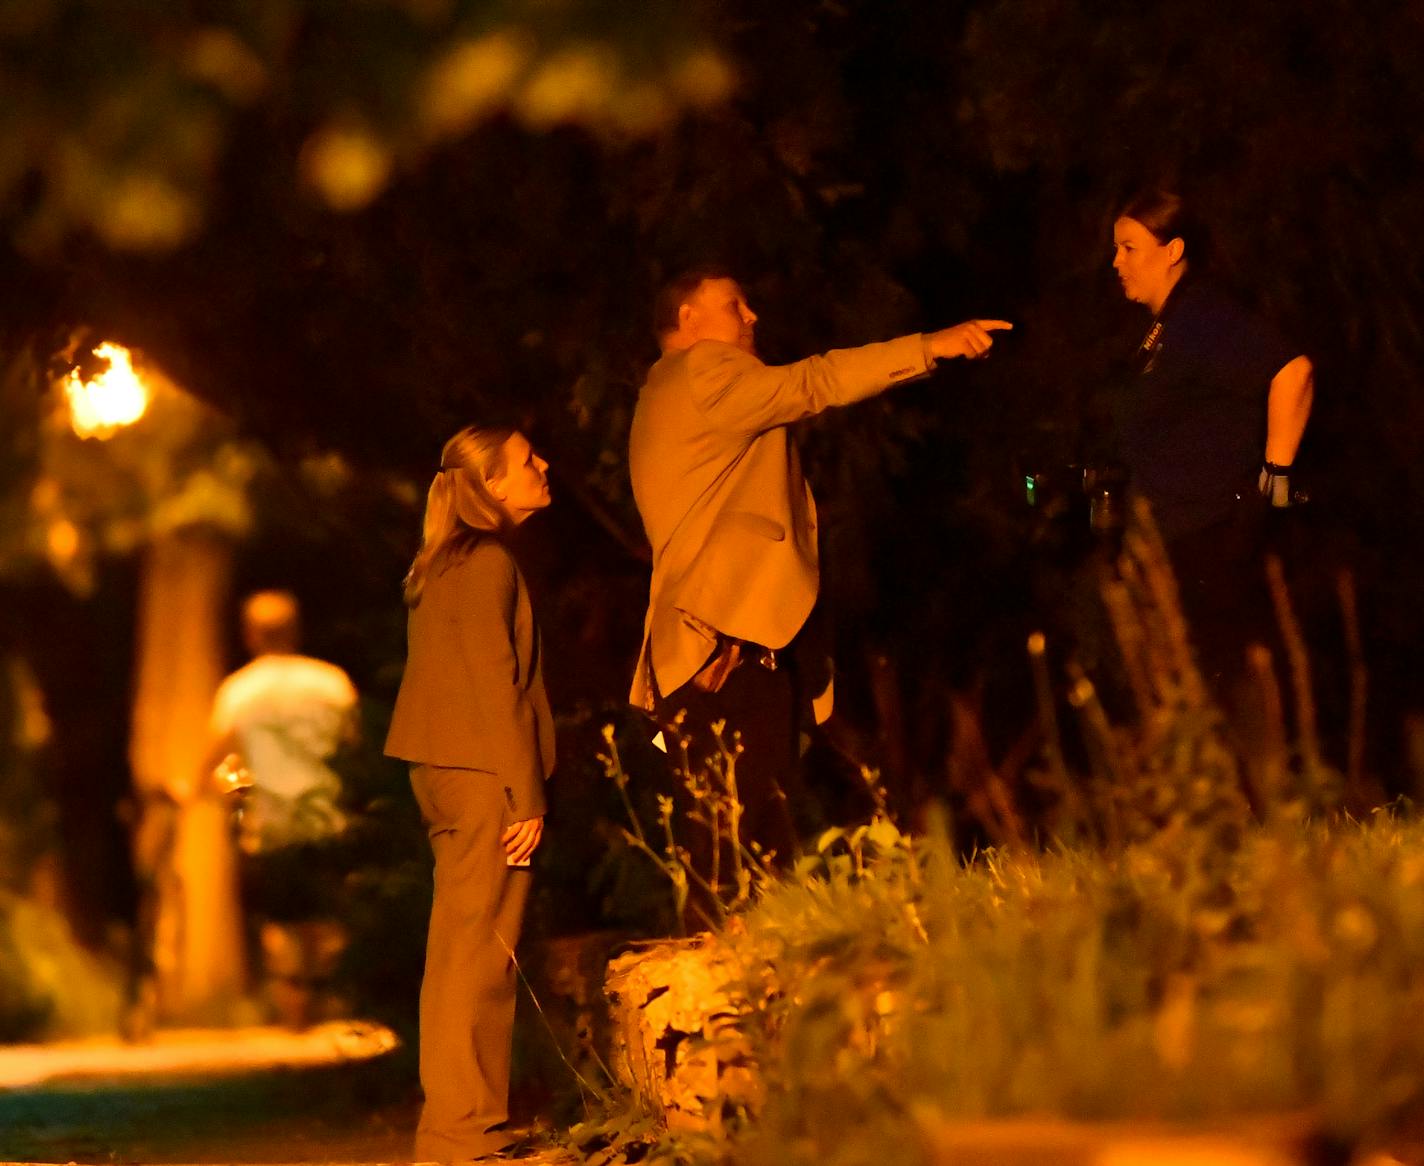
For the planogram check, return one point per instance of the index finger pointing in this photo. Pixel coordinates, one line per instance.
(995, 325)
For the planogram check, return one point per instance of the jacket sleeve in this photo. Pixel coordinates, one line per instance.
(739, 394)
(484, 627)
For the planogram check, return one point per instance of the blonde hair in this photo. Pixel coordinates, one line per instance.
(459, 509)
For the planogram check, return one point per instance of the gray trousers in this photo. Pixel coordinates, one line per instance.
(467, 995)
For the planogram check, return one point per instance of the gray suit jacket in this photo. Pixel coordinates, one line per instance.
(718, 483)
(472, 696)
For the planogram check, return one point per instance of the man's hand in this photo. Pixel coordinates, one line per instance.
(521, 840)
(971, 340)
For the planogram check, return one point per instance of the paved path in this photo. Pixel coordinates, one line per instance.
(340, 1092)
(192, 1051)
(337, 1092)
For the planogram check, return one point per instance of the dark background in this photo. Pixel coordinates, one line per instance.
(879, 168)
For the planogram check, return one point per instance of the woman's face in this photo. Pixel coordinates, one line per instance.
(1147, 269)
(523, 487)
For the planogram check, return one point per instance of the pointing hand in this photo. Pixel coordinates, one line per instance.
(971, 340)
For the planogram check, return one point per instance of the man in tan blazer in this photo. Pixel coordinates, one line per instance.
(718, 483)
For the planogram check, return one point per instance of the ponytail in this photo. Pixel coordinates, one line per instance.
(459, 508)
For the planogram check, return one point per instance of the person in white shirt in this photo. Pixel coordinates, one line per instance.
(276, 723)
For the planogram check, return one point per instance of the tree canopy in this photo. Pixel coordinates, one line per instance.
(119, 117)
(363, 224)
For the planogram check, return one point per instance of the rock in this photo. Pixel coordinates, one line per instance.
(676, 1040)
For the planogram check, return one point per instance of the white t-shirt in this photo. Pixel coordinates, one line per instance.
(287, 714)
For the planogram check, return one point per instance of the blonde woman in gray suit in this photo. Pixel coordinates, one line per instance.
(473, 720)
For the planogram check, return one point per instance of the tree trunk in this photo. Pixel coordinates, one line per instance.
(184, 851)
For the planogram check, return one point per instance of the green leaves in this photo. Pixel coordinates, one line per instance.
(1085, 986)
(126, 113)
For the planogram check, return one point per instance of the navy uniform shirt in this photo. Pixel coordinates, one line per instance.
(1192, 423)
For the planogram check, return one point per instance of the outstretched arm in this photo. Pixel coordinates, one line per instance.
(739, 393)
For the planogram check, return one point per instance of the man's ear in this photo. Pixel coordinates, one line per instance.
(1176, 250)
(685, 312)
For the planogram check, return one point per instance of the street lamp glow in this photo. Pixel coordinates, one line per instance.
(116, 397)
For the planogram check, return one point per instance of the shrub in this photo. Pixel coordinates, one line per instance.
(50, 986)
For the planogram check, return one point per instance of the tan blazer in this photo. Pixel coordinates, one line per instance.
(718, 482)
(472, 696)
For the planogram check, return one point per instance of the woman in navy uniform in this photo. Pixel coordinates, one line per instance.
(1209, 426)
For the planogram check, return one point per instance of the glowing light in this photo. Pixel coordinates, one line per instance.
(705, 78)
(116, 397)
(572, 85)
(472, 78)
(348, 166)
(62, 541)
(144, 211)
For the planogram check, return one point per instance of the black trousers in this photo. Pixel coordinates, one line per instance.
(763, 707)
(1221, 578)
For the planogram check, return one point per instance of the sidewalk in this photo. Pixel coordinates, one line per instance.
(239, 1095)
(248, 1095)
(204, 1052)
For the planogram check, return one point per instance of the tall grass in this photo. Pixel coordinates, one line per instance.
(1089, 986)
(1206, 936)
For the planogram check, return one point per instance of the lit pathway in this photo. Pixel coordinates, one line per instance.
(192, 1051)
(247, 1095)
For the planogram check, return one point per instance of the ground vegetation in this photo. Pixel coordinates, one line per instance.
(869, 168)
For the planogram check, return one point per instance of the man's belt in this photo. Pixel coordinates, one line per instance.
(728, 657)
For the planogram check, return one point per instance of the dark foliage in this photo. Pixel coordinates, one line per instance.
(883, 167)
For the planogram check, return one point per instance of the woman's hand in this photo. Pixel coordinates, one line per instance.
(971, 339)
(521, 840)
